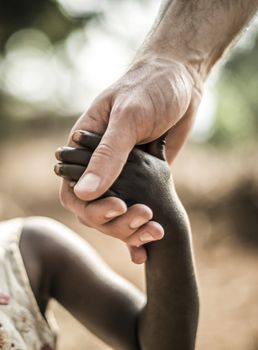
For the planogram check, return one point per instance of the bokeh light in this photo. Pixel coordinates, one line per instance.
(53, 63)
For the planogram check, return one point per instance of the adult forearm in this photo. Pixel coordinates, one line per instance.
(197, 32)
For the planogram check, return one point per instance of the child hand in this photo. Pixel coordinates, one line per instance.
(144, 179)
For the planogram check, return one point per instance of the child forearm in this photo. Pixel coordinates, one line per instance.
(197, 32)
(170, 318)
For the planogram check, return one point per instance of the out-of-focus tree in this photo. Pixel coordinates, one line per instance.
(49, 21)
(43, 45)
(44, 15)
(45, 69)
(237, 97)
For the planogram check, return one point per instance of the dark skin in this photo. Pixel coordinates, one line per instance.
(169, 319)
(62, 266)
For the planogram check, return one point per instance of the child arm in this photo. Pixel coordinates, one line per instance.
(70, 271)
(169, 320)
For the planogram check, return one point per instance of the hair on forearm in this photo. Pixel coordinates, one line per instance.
(198, 31)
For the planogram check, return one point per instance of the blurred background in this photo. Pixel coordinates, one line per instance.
(55, 57)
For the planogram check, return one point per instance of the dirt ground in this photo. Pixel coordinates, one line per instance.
(226, 268)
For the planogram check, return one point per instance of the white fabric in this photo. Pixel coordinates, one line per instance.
(22, 326)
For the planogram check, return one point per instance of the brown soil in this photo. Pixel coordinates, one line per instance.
(227, 269)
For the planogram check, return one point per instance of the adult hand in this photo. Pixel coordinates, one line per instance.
(154, 96)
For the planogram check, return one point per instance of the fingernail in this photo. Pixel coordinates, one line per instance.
(146, 237)
(89, 183)
(112, 214)
(77, 136)
(58, 153)
(57, 169)
(137, 222)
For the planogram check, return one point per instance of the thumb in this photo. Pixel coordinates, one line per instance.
(106, 162)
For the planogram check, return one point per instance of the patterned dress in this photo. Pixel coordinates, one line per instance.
(22, 326)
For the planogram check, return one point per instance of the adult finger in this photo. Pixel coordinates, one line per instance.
(124, 226)
(101, 211)
(73, 172)
(95, 119)
(107, 208)
(69, 200)
(106, 162)
(138, 254)
(151, 231)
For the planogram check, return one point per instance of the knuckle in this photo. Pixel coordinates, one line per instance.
(142, 211)
(118, 231)
(84, 221)
(87, 217)
(104, 149)
(129, 241)
(108, 151)
(132, 110)
(93, 220)
(91, 117)
(133, 240)
(94, 213)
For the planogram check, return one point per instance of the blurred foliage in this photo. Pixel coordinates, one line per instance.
(236, 91)
(43, 15)
(237, 98)
(48, 17)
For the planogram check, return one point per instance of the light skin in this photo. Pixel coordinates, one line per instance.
(121, 315)
(159, 93)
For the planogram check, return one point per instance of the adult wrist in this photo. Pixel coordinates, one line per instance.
(191, 59)
(158, 60)
(197, 33)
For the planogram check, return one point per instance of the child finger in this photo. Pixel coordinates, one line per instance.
(86, 139)
(151, 231)
(71, 172)
(91, 141)
(70, 155)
